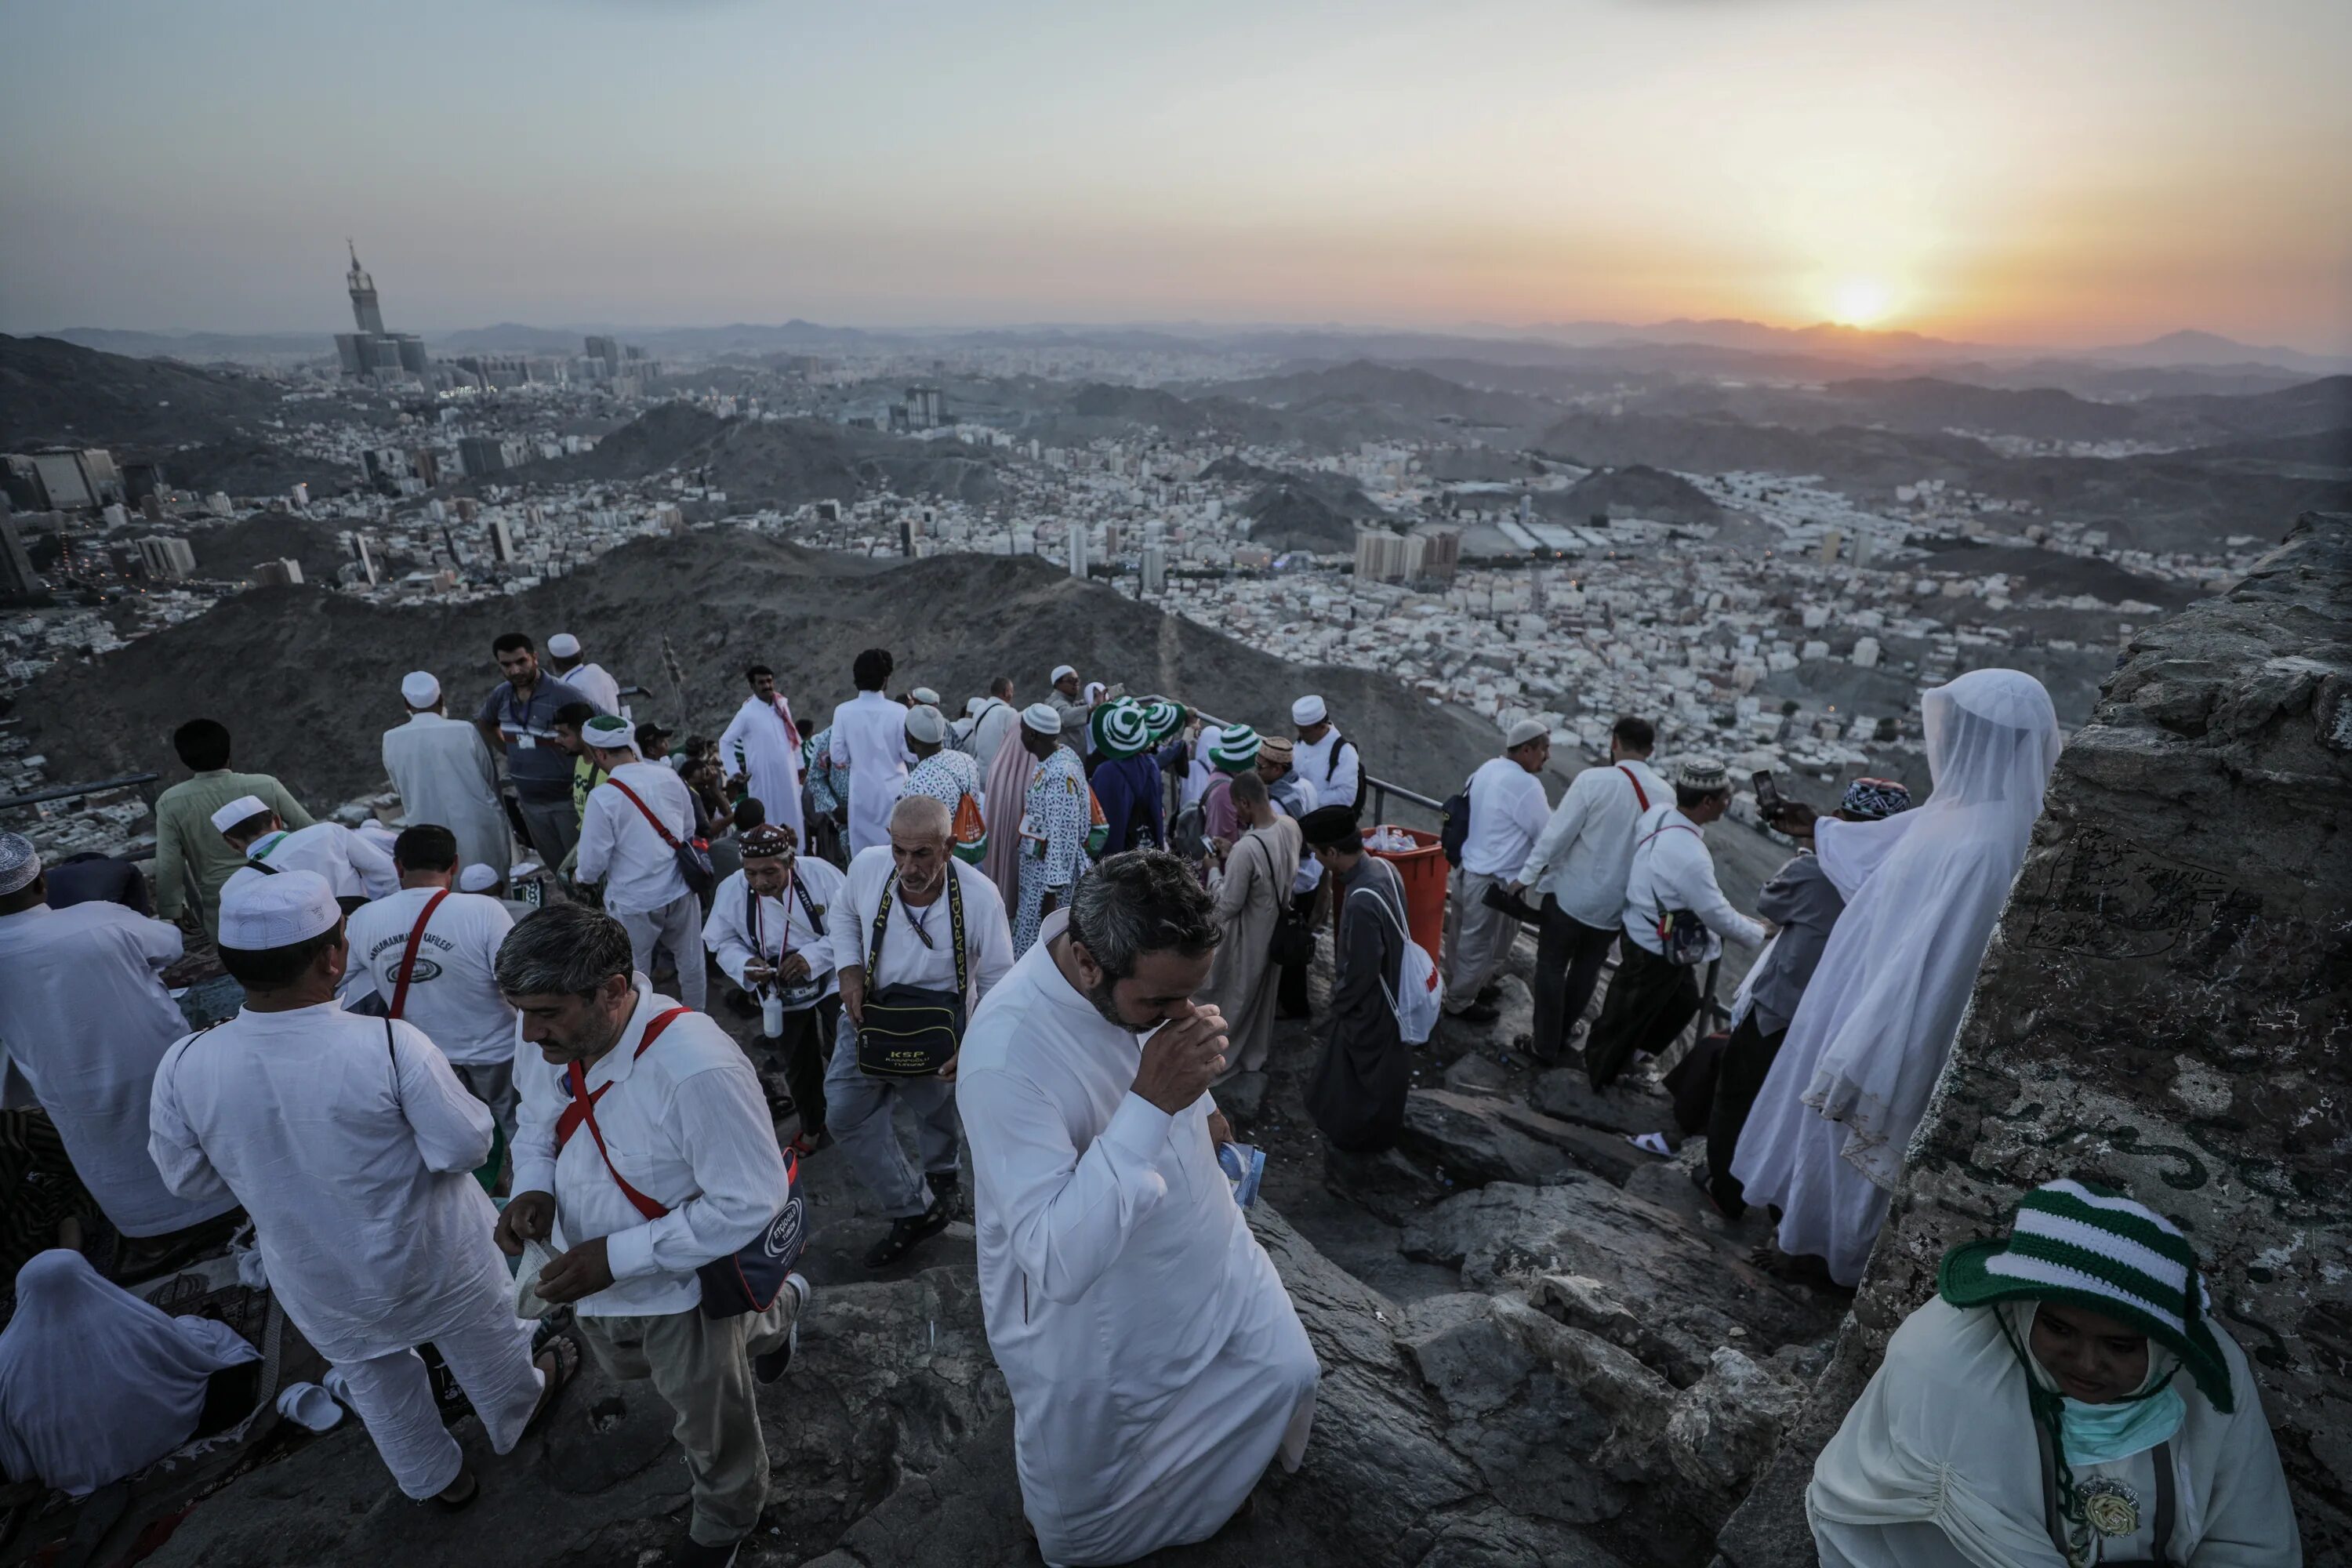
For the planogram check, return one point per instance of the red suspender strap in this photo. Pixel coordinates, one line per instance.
(1641, 797)
(666, 835)
(409, 959)
(583, 1109)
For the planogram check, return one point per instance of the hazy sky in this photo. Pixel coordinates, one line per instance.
(2058, 170)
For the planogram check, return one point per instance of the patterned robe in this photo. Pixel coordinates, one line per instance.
(1053, 839)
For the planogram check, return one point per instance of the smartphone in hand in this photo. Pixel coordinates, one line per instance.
(1767, 795)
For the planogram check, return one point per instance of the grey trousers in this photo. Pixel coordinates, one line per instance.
(702, 1369)
(857, 1114)
(1478, 939)
(554, 828)
(676, 926)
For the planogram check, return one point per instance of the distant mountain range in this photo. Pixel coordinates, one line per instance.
(1692, 347)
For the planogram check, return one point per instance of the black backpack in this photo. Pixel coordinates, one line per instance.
(1454, 825)
(1331, 769)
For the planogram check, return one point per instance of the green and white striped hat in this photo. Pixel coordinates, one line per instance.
(2093, 1248)
(1120, 729)
(1163, 717)
(1233, 749)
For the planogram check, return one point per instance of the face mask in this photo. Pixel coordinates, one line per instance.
(2100, 1434)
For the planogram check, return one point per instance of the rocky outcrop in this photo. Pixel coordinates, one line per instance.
(2164, 1007)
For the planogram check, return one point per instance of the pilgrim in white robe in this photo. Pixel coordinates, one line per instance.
(764, 744)
(86, 1018)
(352, 1144)
(1922, 891)
(869, 739)
(445, 775)
(1155, 1362)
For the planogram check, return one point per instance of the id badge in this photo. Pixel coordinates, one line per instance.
(524, 742)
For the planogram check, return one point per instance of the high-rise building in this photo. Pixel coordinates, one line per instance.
(1441, 552)
(502, 545)
(1077, 536)
(481, 455)
(1155, 570)
(366, 314)
(165, 557)
(276, 574)
(1830, 543)
(16, 577)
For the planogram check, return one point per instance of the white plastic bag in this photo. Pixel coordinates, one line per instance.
(1420, 993)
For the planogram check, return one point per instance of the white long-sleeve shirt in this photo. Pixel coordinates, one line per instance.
(352, 1145)
(620, 849)
(905, 961)
(1673, 870)
(784, 924)
(1139, 1324)
(86, 1018)
(1333, 765)
(1506, 811)
(593, 682)
(453, 991)
(688, 1127)
(869, 739)
(1583, 853)
(353, 866)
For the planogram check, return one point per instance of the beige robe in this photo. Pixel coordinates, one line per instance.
(1259, 870)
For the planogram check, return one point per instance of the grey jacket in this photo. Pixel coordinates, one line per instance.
(1803, 901)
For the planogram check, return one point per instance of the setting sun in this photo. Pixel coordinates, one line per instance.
(1860, 302)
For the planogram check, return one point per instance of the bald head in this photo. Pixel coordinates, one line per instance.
(921, 816)
(920, 829)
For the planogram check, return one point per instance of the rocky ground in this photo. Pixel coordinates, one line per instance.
(1539, 1347)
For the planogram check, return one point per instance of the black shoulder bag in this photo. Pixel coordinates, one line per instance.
(912, 1031)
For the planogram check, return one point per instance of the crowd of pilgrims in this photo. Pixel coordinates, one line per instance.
(1048, 933)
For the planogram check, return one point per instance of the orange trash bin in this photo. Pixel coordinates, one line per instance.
(1422, 869)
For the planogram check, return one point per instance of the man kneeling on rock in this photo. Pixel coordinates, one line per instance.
(636, 1090)
(1155, 1362)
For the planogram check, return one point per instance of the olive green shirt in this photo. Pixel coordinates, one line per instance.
(187, 844)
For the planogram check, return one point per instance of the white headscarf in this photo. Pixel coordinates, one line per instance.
(1923, 891)
(96, 1384)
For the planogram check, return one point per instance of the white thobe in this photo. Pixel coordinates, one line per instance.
(352, 1145)
(1672, 869)
(1155, 1361)
(999, 719)
(1585, 851)
(686, 1125)
(758, 745)
(1507, 809)
(869, 739)
(453, 988)
(353, 867)
(620, 849)
(591, 681)
(1332, 764)
(86, 1019)
(445, 774)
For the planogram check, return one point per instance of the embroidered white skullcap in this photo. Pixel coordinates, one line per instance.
(477, 879)
(1041, 717)
(1060, 670)
(1523, 732)
(19, 862)
(420, 688)
(238, 810)
(925, 724)
(260, 912)
(1306, 710)
(563, 645)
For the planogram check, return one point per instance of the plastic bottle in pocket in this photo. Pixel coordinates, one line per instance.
(771, 1015)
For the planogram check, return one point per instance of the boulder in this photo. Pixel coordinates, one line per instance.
(1478, 1073)
(1469, 1137)
(1242, 1096)
(1628, 1106)
(1725, 1425)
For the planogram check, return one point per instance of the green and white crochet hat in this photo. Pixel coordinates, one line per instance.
(1163, 718)
(1120, 729)
(2093, 1248)
(1233, 749)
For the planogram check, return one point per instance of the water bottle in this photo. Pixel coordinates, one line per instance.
(771, 1015)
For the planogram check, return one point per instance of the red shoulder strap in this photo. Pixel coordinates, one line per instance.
(667, 837)
(1641, 797)
(583, 1109)
(408, 958)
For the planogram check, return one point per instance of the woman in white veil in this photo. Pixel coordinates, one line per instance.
(1923, 889)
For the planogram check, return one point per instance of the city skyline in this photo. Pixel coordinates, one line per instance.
(2105, 175)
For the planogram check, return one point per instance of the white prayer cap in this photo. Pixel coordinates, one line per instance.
(925, 697)
(1059, 672)
(1523, 732)
(973, 706)
(477, 879)
(420, 689)
(609, 733)
(1306, 710)
(1096, 691)
(925, 724)
(258, 912)
(19, 862)
(1041, 717)
(238, 810)
(563, 645)
(377, 834)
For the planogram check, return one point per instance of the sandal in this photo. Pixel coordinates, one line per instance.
(566, 1351)
(472, 1484)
